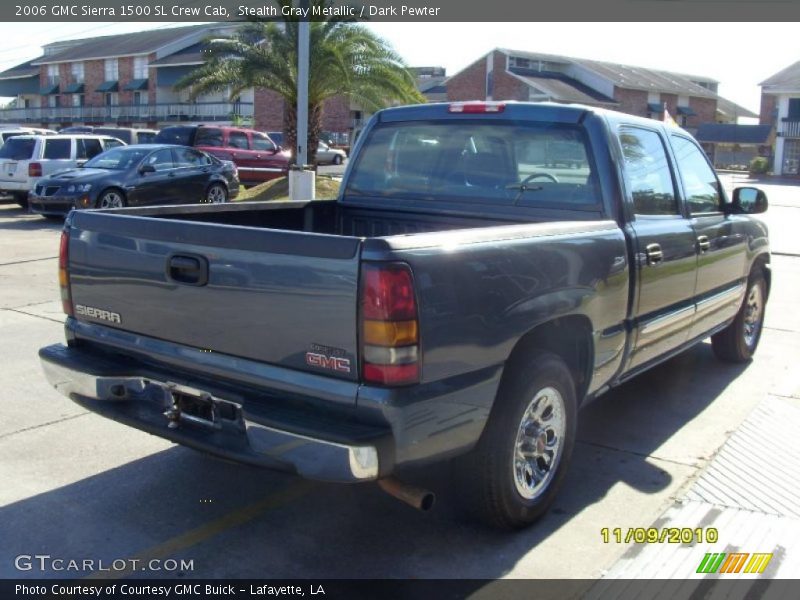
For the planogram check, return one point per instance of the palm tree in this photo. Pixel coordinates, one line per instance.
(345, 59)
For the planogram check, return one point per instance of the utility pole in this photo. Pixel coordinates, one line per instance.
(301, 181)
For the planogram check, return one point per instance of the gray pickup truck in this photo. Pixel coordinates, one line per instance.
(462, 298)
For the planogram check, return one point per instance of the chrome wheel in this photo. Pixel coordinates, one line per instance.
(112, 200)
(539, 443)
(754, 305)
(216, 194)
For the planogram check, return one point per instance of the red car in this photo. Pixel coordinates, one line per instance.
(255, 155)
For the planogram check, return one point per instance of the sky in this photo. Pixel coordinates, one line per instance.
(738, 55)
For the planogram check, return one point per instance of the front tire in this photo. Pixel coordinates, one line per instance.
(738, 341)
(111, 199)
(512, 476)
(337, 160)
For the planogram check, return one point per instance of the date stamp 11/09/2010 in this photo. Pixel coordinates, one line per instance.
(659, 535)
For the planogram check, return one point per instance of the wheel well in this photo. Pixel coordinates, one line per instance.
(570, 338)
(762, 263)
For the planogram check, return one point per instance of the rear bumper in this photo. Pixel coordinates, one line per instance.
(240, 430)
(15, 186)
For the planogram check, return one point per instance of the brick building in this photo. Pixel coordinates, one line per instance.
(129, 80)
(505, 74)
(780, 108)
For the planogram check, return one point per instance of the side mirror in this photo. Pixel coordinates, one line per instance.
(749, 201)
(146, 169)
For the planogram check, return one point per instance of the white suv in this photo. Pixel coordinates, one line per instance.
(9, 132)
(26, 158)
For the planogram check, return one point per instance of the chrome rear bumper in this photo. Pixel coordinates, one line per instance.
(195, 418)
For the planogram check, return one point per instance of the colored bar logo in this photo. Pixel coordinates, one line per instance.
(735, 562)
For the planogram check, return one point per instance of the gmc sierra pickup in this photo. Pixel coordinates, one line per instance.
(467, 292)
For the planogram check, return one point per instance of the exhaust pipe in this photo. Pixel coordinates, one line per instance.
(412, 495)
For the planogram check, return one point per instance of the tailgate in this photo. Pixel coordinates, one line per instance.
(264, 294)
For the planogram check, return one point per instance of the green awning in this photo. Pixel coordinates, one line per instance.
(108, 86)
(49, 89)
(74, 88)
(685, 110)
(655, 107)
(136, 85)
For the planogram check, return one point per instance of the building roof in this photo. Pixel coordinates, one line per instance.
(562, 88)
(628, 76)
(730, 133)
(191, 55)
(22, 71)
(733, 110)
(788, 77)
(126, 44)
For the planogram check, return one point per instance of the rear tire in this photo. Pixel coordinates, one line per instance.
(512, 476)
(738, 341)
(21, 199)
(216, 194)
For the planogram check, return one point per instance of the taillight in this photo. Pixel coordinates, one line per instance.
(477, 107)
(34, 169)
(389, 325)
(63, 273)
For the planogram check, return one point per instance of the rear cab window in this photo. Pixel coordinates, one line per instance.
(647, 172)
(531, 164)
(238, 139)
(57, 149)
(18, 148)
(88, 148)
(179, 135)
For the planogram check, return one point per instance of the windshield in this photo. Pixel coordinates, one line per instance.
(509, 163)
(17, 148)
(117, 159)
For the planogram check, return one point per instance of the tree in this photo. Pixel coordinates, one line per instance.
(345, 58)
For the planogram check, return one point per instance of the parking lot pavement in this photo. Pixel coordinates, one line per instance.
(79, 486)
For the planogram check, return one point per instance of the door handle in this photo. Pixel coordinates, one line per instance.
(703, 243)
(654, 254)
(187, 269)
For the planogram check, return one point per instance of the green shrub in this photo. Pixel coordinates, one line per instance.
(759, 165)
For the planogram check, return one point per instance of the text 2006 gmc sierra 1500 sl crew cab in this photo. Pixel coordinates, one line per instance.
(465, 295)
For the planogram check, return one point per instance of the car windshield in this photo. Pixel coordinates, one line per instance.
(117, 159)
(501, 163)
(17, 148)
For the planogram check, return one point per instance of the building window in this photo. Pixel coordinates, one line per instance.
(111, 99)
(139, 98)
(140, 67)
(791, 157)
(52, 74)
(793, 113)
(77, 72)
(52, 101)
(77, 99)
(111, 69)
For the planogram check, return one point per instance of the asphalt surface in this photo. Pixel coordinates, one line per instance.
(76, 486)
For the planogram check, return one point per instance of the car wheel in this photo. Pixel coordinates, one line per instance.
(216, 194)
(512, 476)
(337, 160)
(739, 340)
(111, 199)
(21, 199)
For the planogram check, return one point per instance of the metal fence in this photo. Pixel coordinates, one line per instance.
(173, 111)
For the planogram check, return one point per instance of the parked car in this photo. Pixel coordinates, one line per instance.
(137, 175)
(129, 135)
(326, 154)
(277, 137)
(256, 156)
(10, 132)
(455, 302)
(25, 159)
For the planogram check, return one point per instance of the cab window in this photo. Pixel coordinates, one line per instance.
(699, 180)
(647, 172)
(238, 139)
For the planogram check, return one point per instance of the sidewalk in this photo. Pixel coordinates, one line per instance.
(750, 493)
